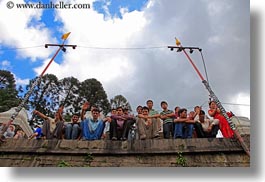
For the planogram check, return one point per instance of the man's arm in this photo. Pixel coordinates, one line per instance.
(118, 117)
(60, 115)
(107, 119)
(143, 116)
(33, 135)
(83, 111)
(181, 120)
(43, 116)
(155, 116)
(165, 116)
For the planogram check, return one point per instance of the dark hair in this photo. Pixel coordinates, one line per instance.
(113, 109)
(182, 110)
(139, 107)
(196, 107)
(176, 107)
(163, 102)
(202, 112)
(149, 101)
(95, 110)
(145, 108)
(76, 114)
(119, 108)
(211, 102)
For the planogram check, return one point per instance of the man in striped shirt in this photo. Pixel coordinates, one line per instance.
(167, 116)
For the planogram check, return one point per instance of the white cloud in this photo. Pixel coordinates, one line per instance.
(160, 74)
(5, 65)
(89, 28)
(240, 104)
(18, 32)
(22, 82)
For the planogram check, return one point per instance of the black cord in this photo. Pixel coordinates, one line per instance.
(205, 70)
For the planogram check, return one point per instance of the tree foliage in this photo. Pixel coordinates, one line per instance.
(118, 101)
(93, 91)
(71, 99)
(8, 93)
(45, 96)
(52, 93)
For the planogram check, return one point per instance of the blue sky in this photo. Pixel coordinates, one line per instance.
(160, 73)
(18, 65)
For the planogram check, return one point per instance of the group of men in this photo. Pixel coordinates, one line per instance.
(117, 125)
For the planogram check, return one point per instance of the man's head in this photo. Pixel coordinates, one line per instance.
(191, 114)
(119, 111)
(197, 108)
(95, 113)
(177, 109)
(75, 117)
(126, 111)
(164, 105)
(145, 111)
(113, 111)
(12, 127)
(149, 104)
(139, 109)
(93, 107)
(202, 116)
(183, 113)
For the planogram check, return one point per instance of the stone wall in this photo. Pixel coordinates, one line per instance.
(217, 152)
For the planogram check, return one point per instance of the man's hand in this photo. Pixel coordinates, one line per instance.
(60, 110)
(86, 106)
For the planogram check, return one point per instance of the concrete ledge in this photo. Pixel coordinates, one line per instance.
(216, 152)
(195, 145)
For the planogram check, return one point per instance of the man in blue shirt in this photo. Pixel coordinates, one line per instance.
(92, 128)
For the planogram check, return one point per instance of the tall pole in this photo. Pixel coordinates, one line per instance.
(36, 82)
(180, 48)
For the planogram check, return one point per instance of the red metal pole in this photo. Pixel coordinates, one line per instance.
(20, 106)
(212, 94)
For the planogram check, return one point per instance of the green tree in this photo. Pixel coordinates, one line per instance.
(93, 91)
(8, 93)
(120, 100)
(45, 96)
(71, 99)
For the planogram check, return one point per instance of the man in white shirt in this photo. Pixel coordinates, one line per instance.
(206, 128)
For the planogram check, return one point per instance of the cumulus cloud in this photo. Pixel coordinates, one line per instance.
(221, 29)
(21, 82)
(17, 31)
(5, 65)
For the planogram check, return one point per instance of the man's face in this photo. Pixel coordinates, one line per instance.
(201, 117)
(139, 110)
(164, 106)
(145, 112)
(150, 105)
(113, 111)
(183, 114)
(95, 115)
(126, 112)
(119, 112)
(191, 113)
(75, 118)
(197, 109)
(11, 128)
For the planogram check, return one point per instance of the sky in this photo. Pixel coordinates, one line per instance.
(107, 33)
